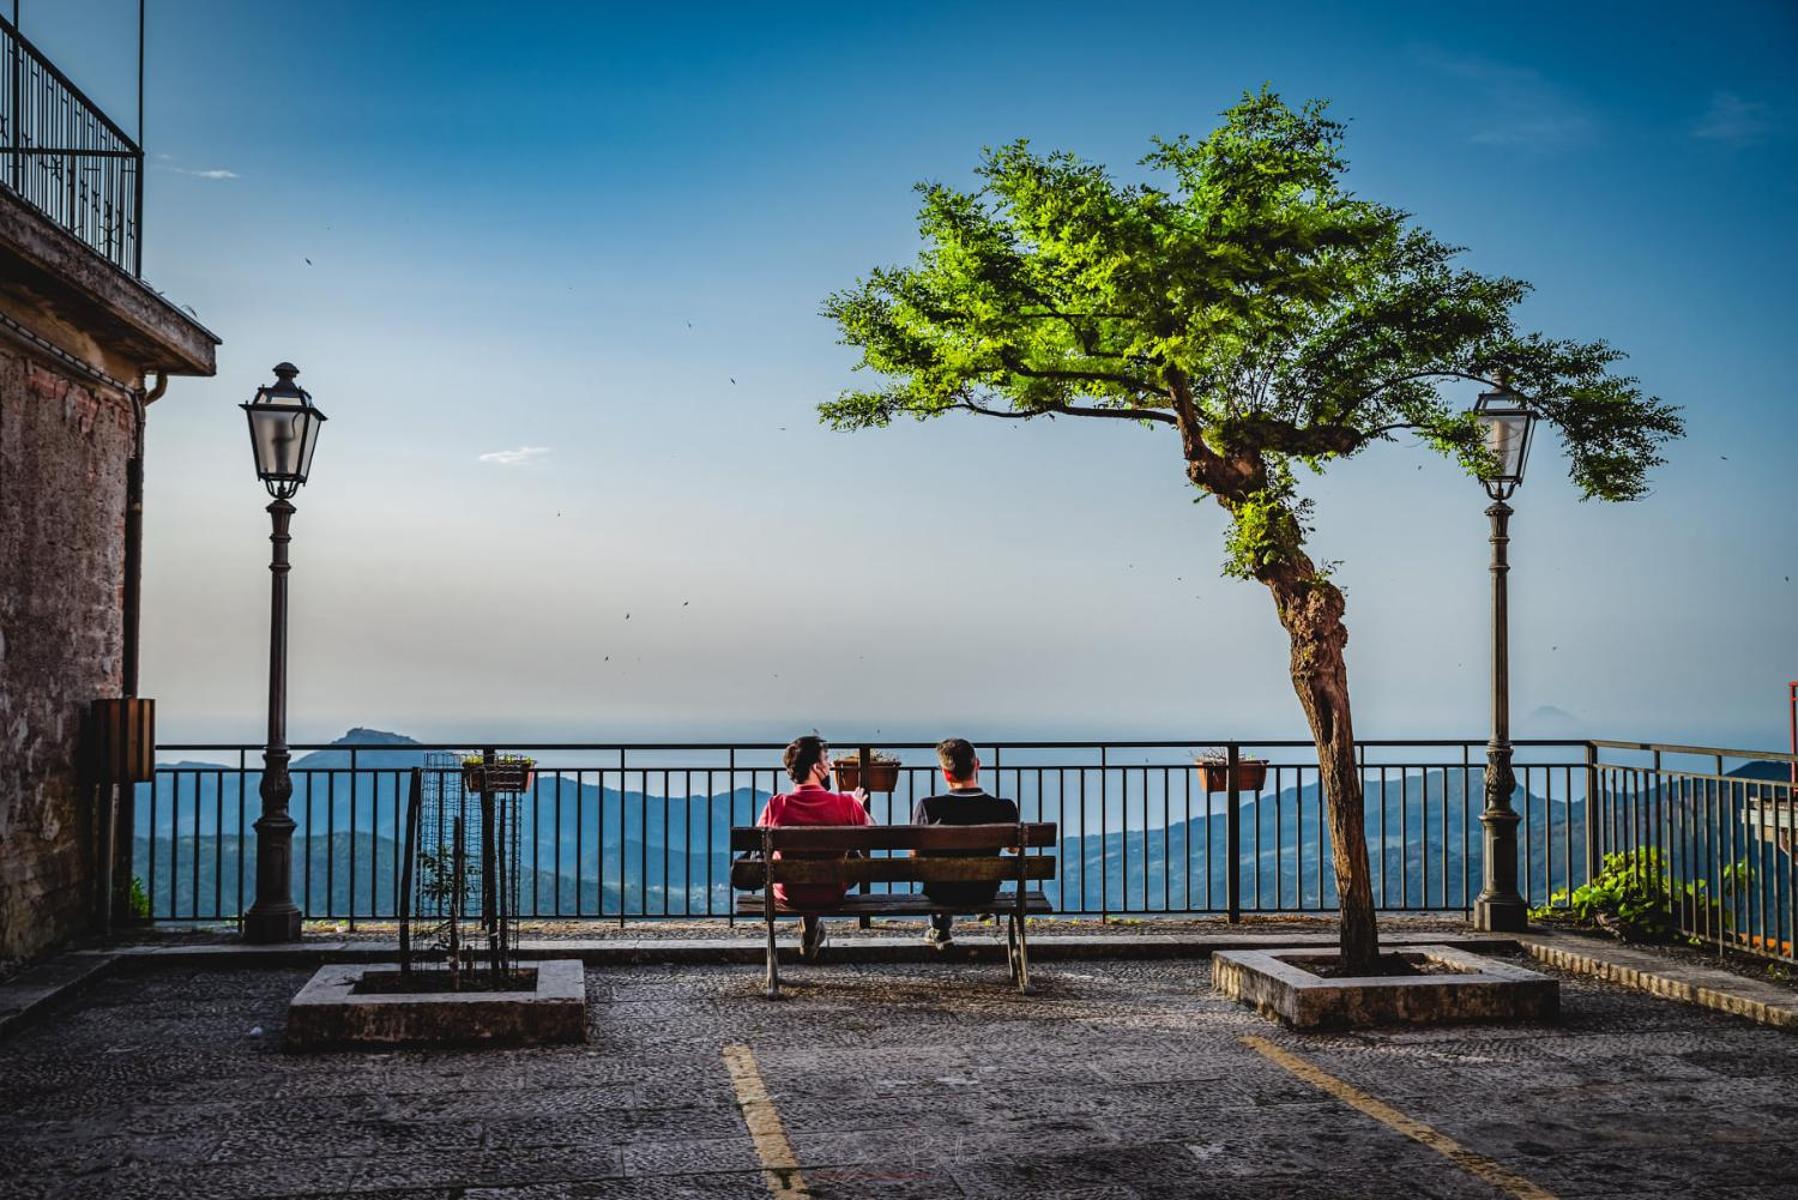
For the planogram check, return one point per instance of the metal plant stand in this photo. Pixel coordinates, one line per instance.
(459, 894)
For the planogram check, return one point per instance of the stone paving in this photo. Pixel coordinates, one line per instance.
(1119, 1079)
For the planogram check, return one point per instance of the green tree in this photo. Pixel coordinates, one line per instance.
(1267, 316)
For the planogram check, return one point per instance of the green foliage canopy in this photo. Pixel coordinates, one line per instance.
(1245, 298)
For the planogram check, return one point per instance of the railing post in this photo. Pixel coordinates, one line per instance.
(1233, 834)
(865, 760)
(1594, 847)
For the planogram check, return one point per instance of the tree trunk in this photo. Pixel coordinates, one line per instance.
(1311, 609)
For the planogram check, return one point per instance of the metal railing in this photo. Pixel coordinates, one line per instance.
(63, 156)
(1712, 832)
(622, 832)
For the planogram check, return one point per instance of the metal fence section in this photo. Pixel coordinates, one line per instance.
(1711, 830)
(621, 832)
(65, 157)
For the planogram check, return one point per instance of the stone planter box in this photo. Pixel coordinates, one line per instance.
(330, 1014)
(1277, 984)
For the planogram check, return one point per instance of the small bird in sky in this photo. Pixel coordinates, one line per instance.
(689, 324)
(308, 262)
(733, 381)
(627, 616)
(684, 603)
(608, 658)
(1724, 457)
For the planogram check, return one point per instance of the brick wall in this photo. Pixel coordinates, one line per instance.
(64, 443)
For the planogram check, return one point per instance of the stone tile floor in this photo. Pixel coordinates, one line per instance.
(1120, 1079)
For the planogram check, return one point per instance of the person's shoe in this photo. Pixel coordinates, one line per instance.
(942, 939)
(812, 940)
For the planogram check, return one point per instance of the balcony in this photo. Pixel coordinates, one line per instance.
(66, 158)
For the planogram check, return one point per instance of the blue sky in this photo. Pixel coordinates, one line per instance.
(562, 231)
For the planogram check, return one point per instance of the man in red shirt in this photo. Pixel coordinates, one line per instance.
(812, 802)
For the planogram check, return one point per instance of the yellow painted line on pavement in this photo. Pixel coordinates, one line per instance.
(780, 1169)
(1477, 1165)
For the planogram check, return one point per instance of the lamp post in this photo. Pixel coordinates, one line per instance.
(283, 433)
(1506, 424)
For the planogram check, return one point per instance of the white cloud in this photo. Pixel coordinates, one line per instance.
(1734, 121)
(215, 173)
(523, 456)
(1519, 105)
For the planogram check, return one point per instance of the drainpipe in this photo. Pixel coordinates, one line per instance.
(134, 526)
(121, 820)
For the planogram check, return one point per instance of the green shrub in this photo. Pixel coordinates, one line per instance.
(1633, 897)
(140, 900)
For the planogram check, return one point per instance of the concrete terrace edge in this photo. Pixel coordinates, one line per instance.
(613, 951)
(36, 990)
(1705, 987)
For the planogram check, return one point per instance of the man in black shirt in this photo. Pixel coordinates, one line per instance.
(965, 803)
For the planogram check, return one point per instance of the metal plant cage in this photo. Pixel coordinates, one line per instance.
(459, 898)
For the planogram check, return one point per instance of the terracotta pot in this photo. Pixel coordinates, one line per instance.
(1251, 774)
(882, 776)
(480, 778)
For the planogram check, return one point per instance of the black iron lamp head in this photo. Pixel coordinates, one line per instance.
(1507, 424)
(283, 432)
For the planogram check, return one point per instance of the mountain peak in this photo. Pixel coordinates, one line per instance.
(360, 736)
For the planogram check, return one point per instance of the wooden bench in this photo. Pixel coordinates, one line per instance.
(896, 854)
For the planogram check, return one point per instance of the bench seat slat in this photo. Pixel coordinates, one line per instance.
(1035, 903)
(923, 838)
(750, 874)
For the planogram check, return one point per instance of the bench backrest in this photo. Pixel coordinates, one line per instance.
(938, 849)
(925, 839)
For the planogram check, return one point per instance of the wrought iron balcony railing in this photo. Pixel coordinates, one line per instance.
(631, 832)
(64, 157)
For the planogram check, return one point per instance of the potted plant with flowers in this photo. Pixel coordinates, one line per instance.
(506, 773)
(883, 771)
(1213, 768)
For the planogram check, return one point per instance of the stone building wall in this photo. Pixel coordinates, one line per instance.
(64, 444)
(76, 336)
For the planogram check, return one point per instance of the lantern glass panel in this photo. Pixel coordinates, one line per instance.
(309, 441)
(1507, 437)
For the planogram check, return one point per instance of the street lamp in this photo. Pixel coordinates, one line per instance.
(1506, 425)
(283, 433)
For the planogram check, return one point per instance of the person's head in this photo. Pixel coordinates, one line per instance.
(808, 760)
(960, 766)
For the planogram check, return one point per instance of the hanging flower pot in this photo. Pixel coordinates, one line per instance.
(1251, 773)
(506, 773)
(883, 773)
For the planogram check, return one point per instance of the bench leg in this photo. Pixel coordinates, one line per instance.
(773, 964)
(1021, 974)
(1011, 947)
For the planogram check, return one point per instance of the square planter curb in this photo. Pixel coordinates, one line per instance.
(329, 1014)
(1484, 990)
